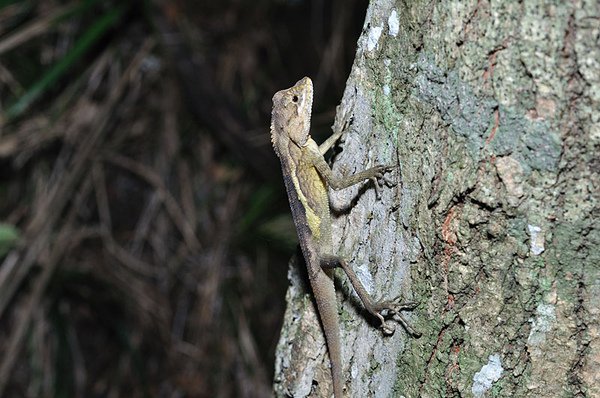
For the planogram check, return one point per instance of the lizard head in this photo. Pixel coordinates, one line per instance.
(290, 118)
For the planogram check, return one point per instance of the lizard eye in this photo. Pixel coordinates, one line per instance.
(295, 98)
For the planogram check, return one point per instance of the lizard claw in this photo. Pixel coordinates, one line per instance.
(377, 184)
(379, 176)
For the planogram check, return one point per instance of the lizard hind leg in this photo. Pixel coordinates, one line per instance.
(380, 309)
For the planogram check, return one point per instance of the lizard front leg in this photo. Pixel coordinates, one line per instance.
(380, 309)
(376, 174)
(328, 143)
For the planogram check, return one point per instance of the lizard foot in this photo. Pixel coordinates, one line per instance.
(392, 309)
(380, 176)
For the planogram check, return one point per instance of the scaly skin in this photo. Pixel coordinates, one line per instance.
(307, 177)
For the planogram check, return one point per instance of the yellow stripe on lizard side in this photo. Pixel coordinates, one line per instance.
(314, 222)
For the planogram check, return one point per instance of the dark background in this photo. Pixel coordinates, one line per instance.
(144, 228)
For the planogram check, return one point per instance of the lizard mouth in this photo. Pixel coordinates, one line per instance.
(305, 86)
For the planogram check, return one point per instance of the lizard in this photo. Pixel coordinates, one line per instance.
(307, 177)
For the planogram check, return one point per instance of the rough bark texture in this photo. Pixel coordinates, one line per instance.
(491, 111)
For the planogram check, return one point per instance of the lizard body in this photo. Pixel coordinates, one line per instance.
(307, 177)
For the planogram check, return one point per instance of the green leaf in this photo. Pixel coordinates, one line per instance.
(8, 237)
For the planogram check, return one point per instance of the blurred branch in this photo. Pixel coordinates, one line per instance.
(35, 28)
(176, 213)
(49, 210)
(81, 46)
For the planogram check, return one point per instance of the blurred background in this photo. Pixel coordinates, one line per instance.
(144, 228)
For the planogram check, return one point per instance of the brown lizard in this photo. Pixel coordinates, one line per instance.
(307, 177)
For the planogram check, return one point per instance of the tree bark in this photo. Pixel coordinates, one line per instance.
(491, 112)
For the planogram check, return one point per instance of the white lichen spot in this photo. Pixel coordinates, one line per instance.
(489, 373)
(537, 240)
(387, 62)
(386, 90)
(542, 324)
(373, 37)
(394, 23)
(354, 371)
(595, 132)
(365, 277)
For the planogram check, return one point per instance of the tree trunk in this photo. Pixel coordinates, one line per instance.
(491, 112)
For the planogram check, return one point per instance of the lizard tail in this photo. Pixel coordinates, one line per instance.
(324, 292)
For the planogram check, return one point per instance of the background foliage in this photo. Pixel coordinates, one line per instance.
(144, 234)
